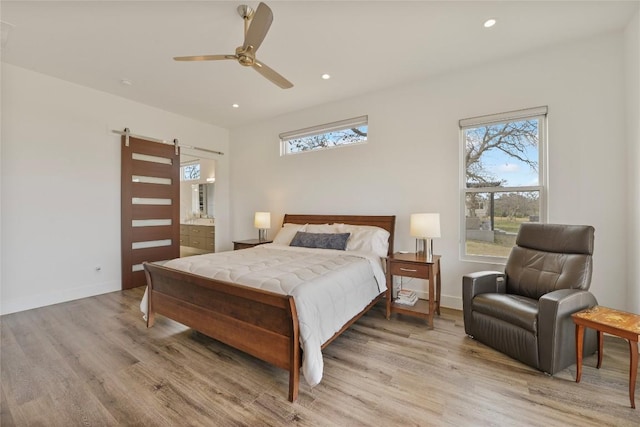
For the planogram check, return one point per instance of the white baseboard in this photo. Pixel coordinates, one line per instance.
(446, 300)
(15, 305)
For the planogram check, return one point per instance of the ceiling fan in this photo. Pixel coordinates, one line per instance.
(256, 26)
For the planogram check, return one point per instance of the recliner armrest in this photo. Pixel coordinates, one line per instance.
(565, 301)
(482, 282)
(556, 330)
(473, 284)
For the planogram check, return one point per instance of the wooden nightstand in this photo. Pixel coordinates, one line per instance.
(412, 265)
(244, 244)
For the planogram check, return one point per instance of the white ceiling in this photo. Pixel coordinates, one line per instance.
(364, 45)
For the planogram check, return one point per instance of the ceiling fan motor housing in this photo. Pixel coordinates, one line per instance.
(256, 26)
(245, 57)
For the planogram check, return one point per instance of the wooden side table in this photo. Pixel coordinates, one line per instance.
(412, 265)
(619, 323)
(245, 244)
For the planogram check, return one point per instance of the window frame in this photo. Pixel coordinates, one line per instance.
(539, 113)
(323, 129)
(186, 165)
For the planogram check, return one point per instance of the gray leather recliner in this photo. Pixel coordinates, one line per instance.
(525, 312)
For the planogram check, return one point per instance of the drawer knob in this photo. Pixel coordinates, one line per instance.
(408, 269)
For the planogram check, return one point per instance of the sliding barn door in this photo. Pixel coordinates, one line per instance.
(150, 206)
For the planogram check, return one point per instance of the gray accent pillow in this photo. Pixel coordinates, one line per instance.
(321, 240)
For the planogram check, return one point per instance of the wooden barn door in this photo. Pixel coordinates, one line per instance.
(150, 206)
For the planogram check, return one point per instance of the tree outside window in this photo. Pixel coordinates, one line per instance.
(503, 182)
(191, 172)
(329, 135)
(328, 140)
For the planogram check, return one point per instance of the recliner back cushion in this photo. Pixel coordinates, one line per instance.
(550, 257)
(533, 273)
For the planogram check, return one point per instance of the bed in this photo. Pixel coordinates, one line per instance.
(262, 322)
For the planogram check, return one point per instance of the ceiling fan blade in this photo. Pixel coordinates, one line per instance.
(204, 58)
(259, 27)
(272, 75)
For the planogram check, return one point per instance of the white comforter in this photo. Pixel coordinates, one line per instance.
(329, 287)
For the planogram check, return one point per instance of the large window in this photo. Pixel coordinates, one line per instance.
(330, 135)
(503, 180)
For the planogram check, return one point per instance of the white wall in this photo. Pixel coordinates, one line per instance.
(632, 90)
(61, 185)
(60, 174)
(411, 162)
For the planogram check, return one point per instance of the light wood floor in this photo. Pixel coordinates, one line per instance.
(93, 362)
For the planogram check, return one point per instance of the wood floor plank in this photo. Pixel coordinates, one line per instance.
(94, 362)
(6, 417)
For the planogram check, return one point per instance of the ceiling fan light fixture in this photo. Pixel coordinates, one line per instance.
(245, 11)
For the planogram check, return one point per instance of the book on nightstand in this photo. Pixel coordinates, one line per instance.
(406, 297)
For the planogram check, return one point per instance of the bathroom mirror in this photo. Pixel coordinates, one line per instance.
(202, 199)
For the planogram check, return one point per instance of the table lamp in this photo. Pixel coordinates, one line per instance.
(262, 221)
(425, 227)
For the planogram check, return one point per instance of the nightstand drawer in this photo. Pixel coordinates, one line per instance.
(409, 269)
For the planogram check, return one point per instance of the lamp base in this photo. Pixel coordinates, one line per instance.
(262, 234)
(424, 248)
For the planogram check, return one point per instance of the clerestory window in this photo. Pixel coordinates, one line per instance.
(330, 135)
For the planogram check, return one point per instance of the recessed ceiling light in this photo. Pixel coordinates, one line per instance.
(235, 106)
(326, 76)
(489, 23)
(126, 82)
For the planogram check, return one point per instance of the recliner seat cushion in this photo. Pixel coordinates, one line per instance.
(514, 309)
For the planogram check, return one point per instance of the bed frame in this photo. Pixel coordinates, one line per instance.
(261, 323)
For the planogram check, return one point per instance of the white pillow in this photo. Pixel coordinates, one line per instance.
(366, 238)
(286, 233)
(322, 228)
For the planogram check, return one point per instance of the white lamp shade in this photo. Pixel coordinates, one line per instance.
(262, 220)
(425, 225)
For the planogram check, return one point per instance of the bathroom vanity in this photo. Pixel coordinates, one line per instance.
(197, 238)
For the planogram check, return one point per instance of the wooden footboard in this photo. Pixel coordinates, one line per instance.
(260, 323)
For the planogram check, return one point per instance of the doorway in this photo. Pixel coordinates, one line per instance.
(197, 204)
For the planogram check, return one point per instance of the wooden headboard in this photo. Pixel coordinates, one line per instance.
(387, 222)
